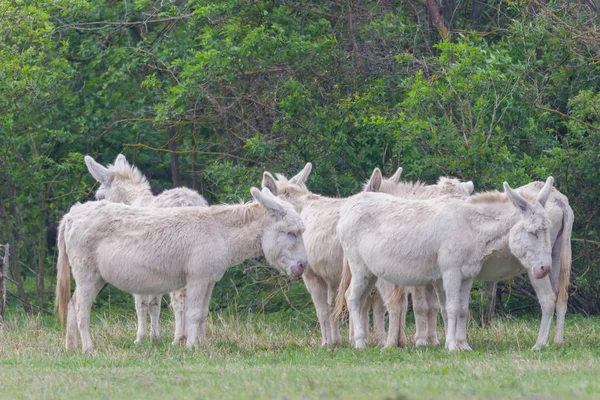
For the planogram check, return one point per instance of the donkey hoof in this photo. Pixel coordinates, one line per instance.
(140, 340)
(464, 346)
(420, 342)
(178, 341)
(360, 345)
(452, 347)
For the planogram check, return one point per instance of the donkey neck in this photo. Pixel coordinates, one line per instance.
(492, 221)
(138, 196)
(242, 228)
(301, 202)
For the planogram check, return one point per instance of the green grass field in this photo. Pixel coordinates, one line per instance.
(279, 357)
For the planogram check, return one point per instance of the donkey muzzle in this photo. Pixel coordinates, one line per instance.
(297, 269)
(540, 271)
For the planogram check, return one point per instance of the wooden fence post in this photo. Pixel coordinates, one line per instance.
(4, 280)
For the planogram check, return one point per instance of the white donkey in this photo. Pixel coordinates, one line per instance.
(325, 257)
(415, 242)
(424, 298)
(552, 290)
(124, 183)
(157, 250)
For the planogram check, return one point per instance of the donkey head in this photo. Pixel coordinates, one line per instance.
(450, 187)
(529, 238)
(377, 183)
(290, 190)
(282, 236)
(454, 187)
(120, 182)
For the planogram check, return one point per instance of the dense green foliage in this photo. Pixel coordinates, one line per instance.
(209, 94)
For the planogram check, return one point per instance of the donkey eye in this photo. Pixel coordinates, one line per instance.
(292, 235)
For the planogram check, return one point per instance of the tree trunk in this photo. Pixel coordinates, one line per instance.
(4, 279)
(172, 146)
(14, 251)
(487, 314)
(477, 13)
(449, 12)
(387, 5)
(436, 18)
(41, 289)
(194, 157)
(358, 63)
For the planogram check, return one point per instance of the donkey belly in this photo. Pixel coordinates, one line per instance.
(141, 279)
(406, 273)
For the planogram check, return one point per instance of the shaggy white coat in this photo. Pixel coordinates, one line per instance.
(415, 242)
(157, 250)
(124, 183)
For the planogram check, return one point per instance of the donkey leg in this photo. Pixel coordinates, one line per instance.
(452, 280)
(364, 313)
(141, 310)
(561, 299)
(403, 305)
(178, 305)
(72, 340)
(318, 290)
(432, 315)
(463, 316)
(334, 323)
(441, 295)
(421, 311)
(379, 319)
(396, 336)
(356, 296)
(154, 308)
(198, 296)
(561, 311)
(85, 293)
(547, 299)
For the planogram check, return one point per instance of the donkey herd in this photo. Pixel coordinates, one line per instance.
(369, 250)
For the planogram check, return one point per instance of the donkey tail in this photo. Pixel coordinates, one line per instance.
(63, 277)
(398, 294)
(340, 300)
(565, 255)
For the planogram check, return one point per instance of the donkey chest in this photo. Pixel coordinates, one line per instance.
(500, 266)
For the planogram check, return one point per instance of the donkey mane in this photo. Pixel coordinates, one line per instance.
(494, 196)
(238, 213)
(127, 172)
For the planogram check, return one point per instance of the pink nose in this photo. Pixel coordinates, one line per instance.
(540, 271)
(298, 269)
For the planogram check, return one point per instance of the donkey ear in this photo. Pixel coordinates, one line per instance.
(266, 199)
(99, 172)
(269, 182)
(374, 183)
(518, 201)
(396, 177)
(302, 176)
(120, 159)
(467, 188)
(545, 192)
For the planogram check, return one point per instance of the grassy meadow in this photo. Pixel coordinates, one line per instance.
(278, 356)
